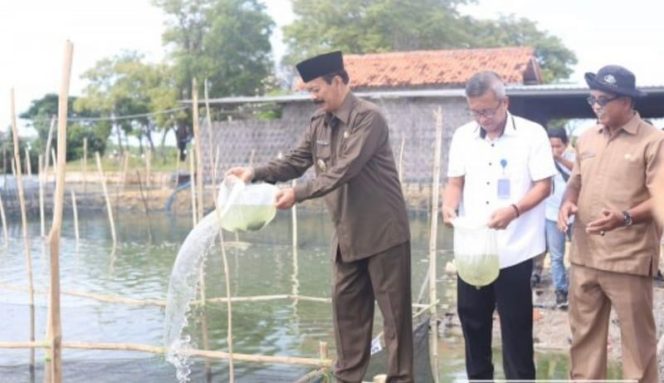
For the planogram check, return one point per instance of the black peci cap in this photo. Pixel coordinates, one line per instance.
(320, 65)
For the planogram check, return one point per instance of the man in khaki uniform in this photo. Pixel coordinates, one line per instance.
(347, 142)
(615, 245)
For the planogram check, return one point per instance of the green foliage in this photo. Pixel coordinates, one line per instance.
(226, 42)
(368, 26)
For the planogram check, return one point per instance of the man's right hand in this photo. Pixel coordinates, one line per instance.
(246, 174)
(448, 214)
(567, 209)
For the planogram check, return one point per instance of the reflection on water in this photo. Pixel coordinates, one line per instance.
(140, 269)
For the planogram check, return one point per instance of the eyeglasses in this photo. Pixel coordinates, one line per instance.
(486, 113)
(601, 100)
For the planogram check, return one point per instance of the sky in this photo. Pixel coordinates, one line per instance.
(33, 35)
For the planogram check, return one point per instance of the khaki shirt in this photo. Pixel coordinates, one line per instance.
(616, 173)
(355, 174)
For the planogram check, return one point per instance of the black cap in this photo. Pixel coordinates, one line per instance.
(320, 65)
(614, 79)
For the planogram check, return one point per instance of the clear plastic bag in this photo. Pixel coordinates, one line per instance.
(246, 207)
(475, 251)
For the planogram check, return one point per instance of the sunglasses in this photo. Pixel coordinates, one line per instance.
(601, 100)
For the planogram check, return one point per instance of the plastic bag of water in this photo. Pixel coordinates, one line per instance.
(475, 251)
(246, 207)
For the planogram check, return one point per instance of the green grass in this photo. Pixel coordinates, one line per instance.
(161, 161)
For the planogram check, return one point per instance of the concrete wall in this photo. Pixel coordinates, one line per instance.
(251, 141)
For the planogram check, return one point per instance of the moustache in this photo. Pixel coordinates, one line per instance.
(318, 102)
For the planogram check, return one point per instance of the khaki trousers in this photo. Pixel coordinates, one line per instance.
(592, 293)
(385, 278)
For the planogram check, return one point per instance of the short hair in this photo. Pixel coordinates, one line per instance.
(559, 133)
(341, 73)
(482, 82)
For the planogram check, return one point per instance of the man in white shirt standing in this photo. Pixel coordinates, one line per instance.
(500, 169)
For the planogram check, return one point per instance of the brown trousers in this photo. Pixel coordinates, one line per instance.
(592, 293)
(385, 278)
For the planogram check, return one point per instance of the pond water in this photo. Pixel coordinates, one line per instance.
(140, 268)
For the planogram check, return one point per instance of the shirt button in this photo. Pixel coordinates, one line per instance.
(487, 202)
(488, 183)
(490, 163)
(492, 145)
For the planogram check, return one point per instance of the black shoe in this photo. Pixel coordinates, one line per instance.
(535, 280)
(561, 299)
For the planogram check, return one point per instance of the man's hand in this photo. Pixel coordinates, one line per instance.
(285, 198)
(566, 210)
(502, 217)
(246, 174)
(448, 214)
(609, 220)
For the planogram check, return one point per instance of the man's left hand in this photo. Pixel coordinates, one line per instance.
(609, 220)
(285, 198)
(502, 217)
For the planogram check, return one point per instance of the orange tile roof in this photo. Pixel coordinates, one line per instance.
(447, 68)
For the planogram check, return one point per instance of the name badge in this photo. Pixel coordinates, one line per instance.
(504, 187)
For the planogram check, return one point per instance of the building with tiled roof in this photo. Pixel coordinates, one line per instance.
(440, 68)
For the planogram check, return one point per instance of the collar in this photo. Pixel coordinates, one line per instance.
(343, 112)
(509, 130)
(631, 127)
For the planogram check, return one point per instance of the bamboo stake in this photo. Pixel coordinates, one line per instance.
(148, 170)
(288, 360)
(199, 160)
(24, 223)
(109, 208)
(41, 196)
(28, 165)
(401, 150)
(295, 278)
(435, 196)
(75, 211)
(145, 205)
(192, 183)
(53, 158)
(56, 227)
(125, 169)
(49, 139)
(4, 222)
(84, 164)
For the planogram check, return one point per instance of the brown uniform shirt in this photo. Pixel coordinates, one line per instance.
(355, 174)
(616, 173)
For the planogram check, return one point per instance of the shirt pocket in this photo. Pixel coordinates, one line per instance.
(322, 154)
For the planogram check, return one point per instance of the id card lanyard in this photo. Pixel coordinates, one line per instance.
(504, 189)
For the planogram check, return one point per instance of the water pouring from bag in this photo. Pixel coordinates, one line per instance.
(475, 251)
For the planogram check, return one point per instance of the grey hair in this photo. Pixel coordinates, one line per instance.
(482, 82)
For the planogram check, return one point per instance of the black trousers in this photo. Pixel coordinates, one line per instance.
(511, 295)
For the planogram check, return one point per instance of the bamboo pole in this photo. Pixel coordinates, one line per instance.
(433, 235)
(4, 222)
(109, 208)
(41, 196)
(192, 183)
(84, 164)
(28, 165)
(199, 153)
(401, 150)
(148, 170)
(125, 169)
(53, 158)
(288, 360)
(56, 227)
(24, 223)
(49, 139)
(75, 212)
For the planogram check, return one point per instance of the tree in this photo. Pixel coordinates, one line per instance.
(42, 110)
(226, 42)
(130, 94)
(368, 26)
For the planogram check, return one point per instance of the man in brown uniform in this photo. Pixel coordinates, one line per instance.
(615, 246)
(347, 143)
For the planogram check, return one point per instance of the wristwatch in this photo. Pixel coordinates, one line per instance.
(627, 218)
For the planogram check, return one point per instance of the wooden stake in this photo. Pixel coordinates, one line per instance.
(84, 164)
(24, 223)
(199, 153)
(192, 183)
(28, 165)
(75, 212)
(49, 139)
(109, 208)
(41, 195)
(56, 227)
(433, 235)
(148, 170)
